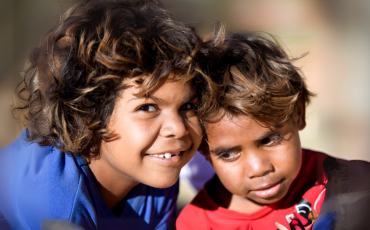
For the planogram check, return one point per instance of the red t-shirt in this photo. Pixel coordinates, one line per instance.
(305, 194)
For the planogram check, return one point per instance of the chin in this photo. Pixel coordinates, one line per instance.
(163, 182)
(271, 200)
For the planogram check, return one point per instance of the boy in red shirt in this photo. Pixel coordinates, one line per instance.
(263, 176)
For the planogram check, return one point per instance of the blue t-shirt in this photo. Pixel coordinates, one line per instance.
(41, 183)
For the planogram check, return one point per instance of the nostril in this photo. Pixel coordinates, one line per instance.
(267, 172)
(174, 127)
(260, 170)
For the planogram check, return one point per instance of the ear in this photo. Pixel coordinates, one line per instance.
(300, 115)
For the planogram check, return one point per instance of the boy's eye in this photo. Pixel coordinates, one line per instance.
(273, 140)
(148, 108)
(187, 106)
(229, 156)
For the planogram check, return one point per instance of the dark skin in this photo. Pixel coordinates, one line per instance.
(255, 165)
(162, 122)
(223, 197)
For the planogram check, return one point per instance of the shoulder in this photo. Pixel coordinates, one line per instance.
(20, 151)
(37, 182)
(312, 166)
(314, 157)
(313, 160)
(196, 214)
(193, 215)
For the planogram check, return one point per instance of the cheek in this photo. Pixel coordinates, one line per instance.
(296, 163)
(195, 131)
(290, 162)
(287, 157)
(134, 133)
(232, 177)
(296, 156)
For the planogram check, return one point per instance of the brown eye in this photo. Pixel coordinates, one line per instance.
(148, 108)
(187, 106)
(265, 141)
(229, 156)
(188, 110)
(273, 140)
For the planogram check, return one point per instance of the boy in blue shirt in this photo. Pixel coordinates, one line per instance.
(109, 103)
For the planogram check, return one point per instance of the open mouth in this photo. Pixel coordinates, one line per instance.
(166, 155)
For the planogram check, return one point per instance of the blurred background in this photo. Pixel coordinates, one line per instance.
(334, 32)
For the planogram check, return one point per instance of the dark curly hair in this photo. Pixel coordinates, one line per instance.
(80, 67)
(255, 77)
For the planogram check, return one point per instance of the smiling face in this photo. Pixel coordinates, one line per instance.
(252, 161)
(158, 135)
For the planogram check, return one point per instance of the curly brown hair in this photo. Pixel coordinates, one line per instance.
(255, 77)
(80, 67)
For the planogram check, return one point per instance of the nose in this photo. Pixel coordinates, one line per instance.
(174, 126)
(258, 165)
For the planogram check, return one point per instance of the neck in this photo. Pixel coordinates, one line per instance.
(225, 199)
(244, 205)
(113, 186)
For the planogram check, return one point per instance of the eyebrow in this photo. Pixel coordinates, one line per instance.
(222, 149)
(155, 99)
(161, 101)
(274, 130)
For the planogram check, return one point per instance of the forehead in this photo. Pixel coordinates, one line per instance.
(166, 87)
(231, 129)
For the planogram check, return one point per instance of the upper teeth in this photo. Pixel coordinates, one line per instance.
(166, 155)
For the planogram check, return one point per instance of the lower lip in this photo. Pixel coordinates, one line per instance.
(270, 191)
(167, 161)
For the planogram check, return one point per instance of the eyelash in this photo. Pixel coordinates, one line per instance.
(183, 107)
(223, 156)
(191, 104)
(230, 156)
(147, 106)
(273, 140)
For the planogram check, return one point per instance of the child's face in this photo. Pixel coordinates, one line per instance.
(252, 161)
(162, 124)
